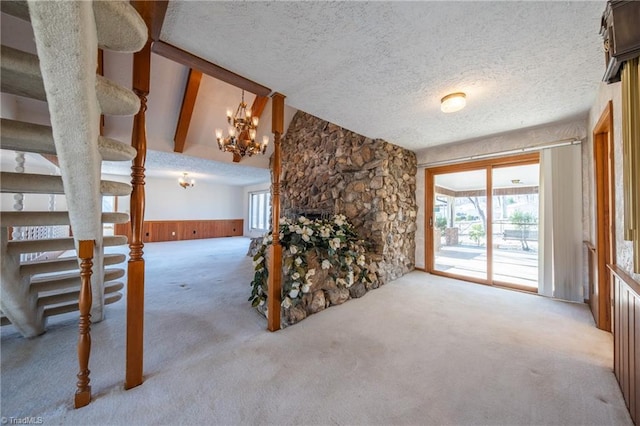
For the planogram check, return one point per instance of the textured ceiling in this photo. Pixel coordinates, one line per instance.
(377, 68)
(168, 164)
(380, 68)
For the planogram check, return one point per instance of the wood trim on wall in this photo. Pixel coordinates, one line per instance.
(179, 230)
(605, 204)
(626, 338)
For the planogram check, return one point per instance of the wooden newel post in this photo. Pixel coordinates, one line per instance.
(83, 391)
(135, 267)
(274, 296)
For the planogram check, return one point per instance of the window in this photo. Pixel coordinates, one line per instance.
(259, 210)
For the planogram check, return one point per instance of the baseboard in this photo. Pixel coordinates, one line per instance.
(419, 269)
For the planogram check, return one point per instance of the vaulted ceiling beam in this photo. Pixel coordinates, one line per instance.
(186, 111)
(189, 60)
(258, 106)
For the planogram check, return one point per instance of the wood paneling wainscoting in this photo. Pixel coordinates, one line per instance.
(177, 230)
(626, 338)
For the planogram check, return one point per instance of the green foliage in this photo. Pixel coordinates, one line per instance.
(441, 223)
(335, 243)
(477, 232)
(522, 220)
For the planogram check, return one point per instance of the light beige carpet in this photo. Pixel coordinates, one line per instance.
(421, 350)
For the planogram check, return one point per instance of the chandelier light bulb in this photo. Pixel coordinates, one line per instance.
(453, 102)
(241, 136)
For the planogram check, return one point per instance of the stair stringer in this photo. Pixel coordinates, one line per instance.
(19, 303)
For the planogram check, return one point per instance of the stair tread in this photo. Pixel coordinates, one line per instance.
(118, 25)
(70, 296)
(73, 306)
(13, 218)
(55, 244)
(65, 264)
(110, 274)
(28, 183)
(29, 137)
(21, 76)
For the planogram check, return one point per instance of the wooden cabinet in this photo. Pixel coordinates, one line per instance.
(621, 33)
(176, 230)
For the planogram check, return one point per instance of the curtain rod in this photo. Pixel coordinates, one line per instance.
(554, 144)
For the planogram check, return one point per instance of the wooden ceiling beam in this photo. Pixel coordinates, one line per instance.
(191, 61)
(186, 111)
(258, 106)
(153, 13)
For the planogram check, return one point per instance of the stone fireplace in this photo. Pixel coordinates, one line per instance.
(330, 170)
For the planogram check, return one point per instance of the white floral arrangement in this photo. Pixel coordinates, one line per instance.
(338, 250)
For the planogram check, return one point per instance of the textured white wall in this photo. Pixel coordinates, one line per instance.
(166, 200)
(624, 249)
(523, 138)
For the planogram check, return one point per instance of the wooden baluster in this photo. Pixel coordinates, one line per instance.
(135, 268)
(274, 296)
(152, 12)
(83, 391)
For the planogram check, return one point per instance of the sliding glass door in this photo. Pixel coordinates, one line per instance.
(460, 228)
(515, 225)
(487, 239)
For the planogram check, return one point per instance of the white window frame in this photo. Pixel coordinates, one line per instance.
(260, 210)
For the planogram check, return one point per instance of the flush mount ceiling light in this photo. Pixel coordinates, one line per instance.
(185, 182)
(453, 102)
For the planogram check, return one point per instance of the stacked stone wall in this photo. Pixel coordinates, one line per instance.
(327, 169)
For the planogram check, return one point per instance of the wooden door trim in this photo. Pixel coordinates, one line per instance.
(605, 210)
(488, 165)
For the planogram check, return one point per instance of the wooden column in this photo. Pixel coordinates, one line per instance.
(83, 391)
(274, 296)
(135, 268)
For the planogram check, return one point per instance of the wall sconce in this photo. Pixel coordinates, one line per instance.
(453, 102)
(185, 182)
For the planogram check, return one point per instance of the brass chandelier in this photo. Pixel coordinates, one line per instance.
(241, 140)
